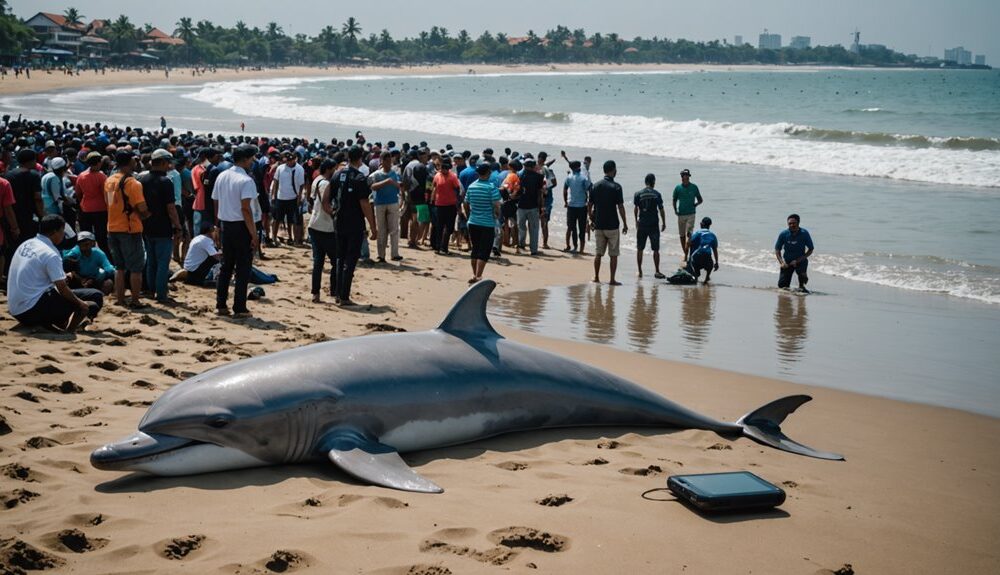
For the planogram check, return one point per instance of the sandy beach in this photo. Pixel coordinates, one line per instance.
(42, 81)
(916, 494)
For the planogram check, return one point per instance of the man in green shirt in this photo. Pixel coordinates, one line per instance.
(687, 198)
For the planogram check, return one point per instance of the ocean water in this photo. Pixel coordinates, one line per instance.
(896, 173)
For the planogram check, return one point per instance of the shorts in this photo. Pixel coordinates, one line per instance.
(265, 202)
(549, 202)
(685, 225)
(423, 213)
(785, 276)
(607, 241)
(481, 238)
(53, 309)
(287, 211)
(128, 251)
(652, 234)
(700, 260)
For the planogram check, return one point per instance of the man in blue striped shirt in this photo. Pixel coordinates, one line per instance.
(482, 208)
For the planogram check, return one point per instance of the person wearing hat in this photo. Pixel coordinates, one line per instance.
(126, 210)
(686, 200)
(92, 267)
(650, 220)
(37, 292)
(90, 193)
(163, 225)
(53, 190)
(703, 251)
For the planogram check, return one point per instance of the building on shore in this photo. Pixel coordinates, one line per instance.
(959, 55)
(738, 40)
(980, 59)
(800, 42)
(768, 41)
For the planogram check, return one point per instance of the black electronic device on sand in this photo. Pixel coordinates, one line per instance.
(731, 491)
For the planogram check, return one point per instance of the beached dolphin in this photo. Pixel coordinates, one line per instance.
(362, 401)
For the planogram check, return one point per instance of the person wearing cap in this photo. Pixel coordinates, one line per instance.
(234, 193)
(92, 267)
(606, 206)
(37, 292)
(650, 220)
(703, 251)
(126, 210)
(482, 208)
(53, 190)
(686, 200)
(90, 195)
(163, 226)
(351, 187)
(792, 250)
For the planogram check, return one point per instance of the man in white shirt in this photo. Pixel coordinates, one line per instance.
(37, 293)
(286, 192)
(202, 256)
(234, 193)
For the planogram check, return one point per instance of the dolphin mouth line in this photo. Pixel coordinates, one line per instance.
(138, 449)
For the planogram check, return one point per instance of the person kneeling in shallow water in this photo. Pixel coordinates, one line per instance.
(37, 293)
(703, 251)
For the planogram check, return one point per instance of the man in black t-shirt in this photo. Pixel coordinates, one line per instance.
(606, 206)
(350, 192)
(530, 205)
(27, 186)
(650, 220)
(163, 224)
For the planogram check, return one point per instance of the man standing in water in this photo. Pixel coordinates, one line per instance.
(606, 206)
(792, 250)
(650, 220)
(686, 200)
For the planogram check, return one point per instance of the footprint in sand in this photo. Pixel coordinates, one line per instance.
(529, 537)
(598, 461)
(642, 471)
(610, 444)
(4, 426)
(428, 570)
(180, 547)
(27, 396)
(48, 368)
(554, 500)
(75, 541)
(83, 411)
(387, 502)
(494, 556)
(846, 569)
(281, 561)
(12, 499)
(719, 447)
(39, 442)
(18, 471)
(66, 387)
(16, 556)
(512, 465)
(507, 541)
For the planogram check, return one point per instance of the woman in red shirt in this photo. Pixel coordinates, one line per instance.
(444, 198)
(90, 195)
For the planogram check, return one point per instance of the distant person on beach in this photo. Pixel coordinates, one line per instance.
(650, 220)
(550, 186)
(385, 183)
(322, 234)
(482, 208)
(234, 192)
(703, 251)
(576, 189)
(530, 206)
(792, 250)
(37, 293)
(286, 194)
(350, 186)
(415, 185)
(606, 206)
(686, 200)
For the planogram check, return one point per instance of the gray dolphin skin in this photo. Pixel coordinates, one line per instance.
(362, 401)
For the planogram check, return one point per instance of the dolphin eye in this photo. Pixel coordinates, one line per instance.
(218, 421)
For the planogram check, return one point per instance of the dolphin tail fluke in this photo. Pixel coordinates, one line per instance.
(764, 425)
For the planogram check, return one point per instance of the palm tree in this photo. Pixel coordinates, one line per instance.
(351, 28)
(122, 35)
(73, 16)
(273, 31)
(185, 31)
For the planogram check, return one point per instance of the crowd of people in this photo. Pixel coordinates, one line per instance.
(118, 205)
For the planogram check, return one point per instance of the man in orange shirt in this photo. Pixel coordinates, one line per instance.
(126, 210)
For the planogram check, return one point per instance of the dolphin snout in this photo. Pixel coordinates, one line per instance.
(122, 455)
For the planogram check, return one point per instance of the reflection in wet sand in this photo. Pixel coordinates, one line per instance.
(600, 319)
(642, 317)
(790, 329)
(526, 308)
(697, 313)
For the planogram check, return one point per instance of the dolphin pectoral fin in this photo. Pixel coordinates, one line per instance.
(764, 425)
(467, 317)
(377, 463)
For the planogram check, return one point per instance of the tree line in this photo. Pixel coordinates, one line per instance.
(206, 43)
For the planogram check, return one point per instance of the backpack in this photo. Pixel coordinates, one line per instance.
(682, 277)
(341, 183)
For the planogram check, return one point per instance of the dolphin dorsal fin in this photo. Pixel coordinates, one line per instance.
(467, 317)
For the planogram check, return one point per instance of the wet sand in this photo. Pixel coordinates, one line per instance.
(916, 494)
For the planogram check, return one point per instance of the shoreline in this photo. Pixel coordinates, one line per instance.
(46, 82)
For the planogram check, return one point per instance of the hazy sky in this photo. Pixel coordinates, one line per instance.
(923, 27)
